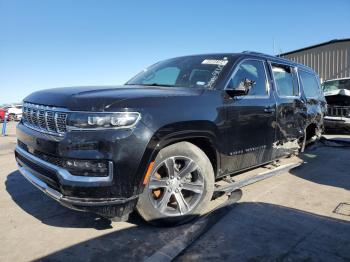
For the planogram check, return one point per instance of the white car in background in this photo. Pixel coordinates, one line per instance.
(14, 112)
(337, 94)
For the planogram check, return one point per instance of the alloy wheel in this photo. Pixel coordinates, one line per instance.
(176, 186)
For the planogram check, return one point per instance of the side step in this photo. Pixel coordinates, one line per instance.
(262, 176)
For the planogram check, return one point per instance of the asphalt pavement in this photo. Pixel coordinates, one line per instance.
(303, 214)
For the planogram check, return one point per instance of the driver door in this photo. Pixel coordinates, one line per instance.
(251, 118)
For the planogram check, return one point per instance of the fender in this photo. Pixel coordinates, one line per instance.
(168, 135)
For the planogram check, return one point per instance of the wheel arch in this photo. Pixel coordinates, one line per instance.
(310, 130)
(206, 140)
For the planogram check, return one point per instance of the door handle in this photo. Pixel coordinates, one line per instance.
(269, 109)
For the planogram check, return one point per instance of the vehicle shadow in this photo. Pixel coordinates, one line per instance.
(50, 212)
(325, 165)
(345, 138)
(247, 232)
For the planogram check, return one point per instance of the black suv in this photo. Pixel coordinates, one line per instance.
(161, 141)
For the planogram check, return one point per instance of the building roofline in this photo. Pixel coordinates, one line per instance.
(314, 46)
(336, 79)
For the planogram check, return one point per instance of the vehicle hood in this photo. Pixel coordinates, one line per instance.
(340, 92)
(103, 98)
(339, 97)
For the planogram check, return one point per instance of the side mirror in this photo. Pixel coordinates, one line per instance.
(242, 89)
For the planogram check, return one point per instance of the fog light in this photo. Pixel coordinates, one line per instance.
(86, 167)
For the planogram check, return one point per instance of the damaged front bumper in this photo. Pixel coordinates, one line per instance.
(36, 170)
(337, 122)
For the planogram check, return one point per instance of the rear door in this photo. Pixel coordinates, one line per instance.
(316, 103)
(291, 107)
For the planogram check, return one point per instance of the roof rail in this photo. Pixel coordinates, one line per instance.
(258, 53)
(266, 55)
(255, 53)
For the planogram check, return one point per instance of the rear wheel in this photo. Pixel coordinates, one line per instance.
(180, 186)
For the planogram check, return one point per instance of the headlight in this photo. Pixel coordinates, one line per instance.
(82, 120)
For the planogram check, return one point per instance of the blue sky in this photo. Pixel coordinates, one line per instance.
(48, 43)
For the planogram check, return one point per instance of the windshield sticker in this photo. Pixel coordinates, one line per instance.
(214, 62)
(215, 74)
(200, 83)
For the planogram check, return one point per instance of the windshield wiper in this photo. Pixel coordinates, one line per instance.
(151, 84)
(156, 84)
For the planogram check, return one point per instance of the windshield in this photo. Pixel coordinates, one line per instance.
(336, 84)
(190, 71)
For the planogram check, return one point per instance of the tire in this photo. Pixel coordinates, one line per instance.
(168, 199)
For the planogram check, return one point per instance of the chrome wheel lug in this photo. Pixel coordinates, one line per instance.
(178, 178)
(177, 190)
(169, 190)
(167, 183)
(172, 177)
(180, 185)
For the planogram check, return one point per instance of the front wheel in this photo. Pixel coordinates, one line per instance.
(180, 186)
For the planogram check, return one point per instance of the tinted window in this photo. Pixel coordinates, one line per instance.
(285, 80)
(164, 76)
(310, 84)
(251, 70)
(191, 71)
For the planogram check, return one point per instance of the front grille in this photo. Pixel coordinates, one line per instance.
(49, 158)
(45, 118)
(340, 111)
(50, 176)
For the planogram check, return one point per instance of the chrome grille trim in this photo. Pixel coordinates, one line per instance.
(45, 119)
(50, 121)
(34, 116)
(61, 122)
(41, 119)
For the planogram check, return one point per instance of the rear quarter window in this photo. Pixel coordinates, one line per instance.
(310, 84)
(285, 79)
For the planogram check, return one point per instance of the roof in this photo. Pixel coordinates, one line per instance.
(252, 54)
(277, 59)
(318, 45)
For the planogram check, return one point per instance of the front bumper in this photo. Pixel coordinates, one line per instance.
(64, 177)
(29, 166)
(333, 122)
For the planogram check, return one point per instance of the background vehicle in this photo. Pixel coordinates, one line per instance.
(15, 112)
(159, 142)
(337, 94)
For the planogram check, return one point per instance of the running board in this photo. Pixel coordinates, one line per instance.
(262, 176)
